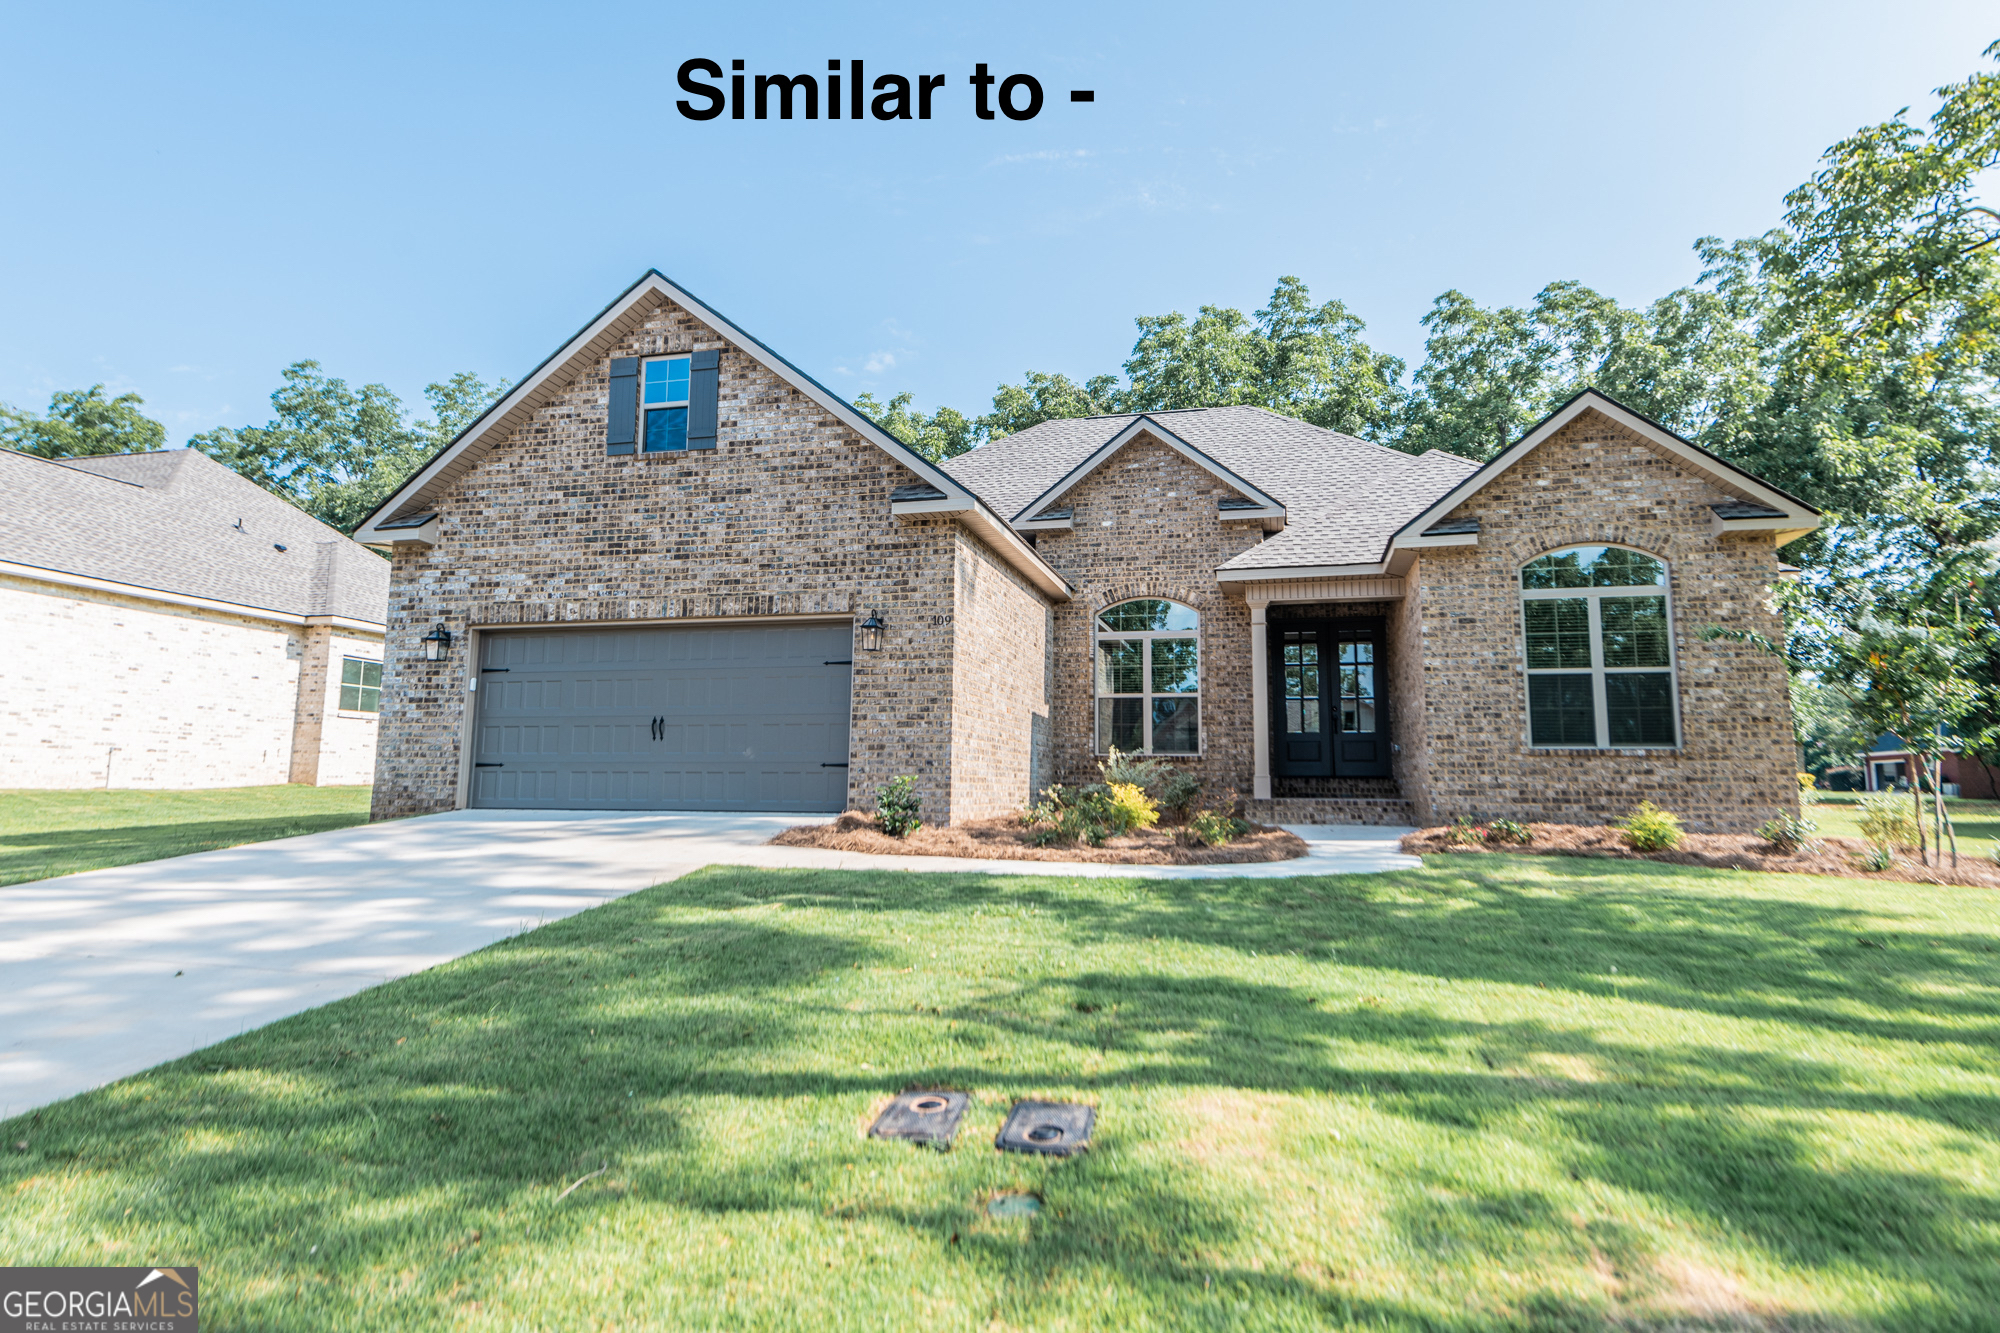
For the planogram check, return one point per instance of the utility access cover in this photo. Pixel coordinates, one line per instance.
(1054, 1128)
(929, 1118)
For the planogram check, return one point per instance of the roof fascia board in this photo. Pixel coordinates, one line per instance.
(1046, 524)
(655, 283)
(1282, 572)
(65, 579)
(424, 534)
(1145, 425)
(1799, 515)
(988, 527)
(944, 505)
(1447, 539)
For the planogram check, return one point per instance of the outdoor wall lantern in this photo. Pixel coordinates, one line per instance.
(437, 643)
(871, 633)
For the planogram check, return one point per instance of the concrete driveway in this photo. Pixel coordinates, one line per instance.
(111, 972)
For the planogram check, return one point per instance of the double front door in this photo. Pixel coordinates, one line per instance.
(1332, 717)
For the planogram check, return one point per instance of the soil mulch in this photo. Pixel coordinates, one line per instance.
(1722, 851)
(1006, 838)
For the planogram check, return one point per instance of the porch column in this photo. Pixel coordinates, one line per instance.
(1260, 698)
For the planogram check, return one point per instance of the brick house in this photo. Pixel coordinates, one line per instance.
(169, 624)
(669, 570)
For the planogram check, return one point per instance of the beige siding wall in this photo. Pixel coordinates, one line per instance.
(188, 698)
(1000, 713)
(1146, 526)
(1596, 482)
(789, 515)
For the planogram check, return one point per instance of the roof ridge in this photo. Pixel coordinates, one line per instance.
(64, 464)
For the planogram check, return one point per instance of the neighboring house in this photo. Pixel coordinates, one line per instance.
(170, 625)
(1889, 765)
(678, 573)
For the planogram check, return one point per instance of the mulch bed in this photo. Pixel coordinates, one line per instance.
(1006, 838)
(1722, 851)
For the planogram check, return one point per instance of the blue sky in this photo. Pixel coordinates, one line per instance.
(199, 195)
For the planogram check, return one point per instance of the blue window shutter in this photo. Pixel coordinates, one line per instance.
(623, 422)
(704, 380)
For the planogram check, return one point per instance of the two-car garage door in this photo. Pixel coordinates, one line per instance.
(699, 718)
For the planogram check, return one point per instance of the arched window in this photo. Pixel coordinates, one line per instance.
(1148, 655)
(1600, 649)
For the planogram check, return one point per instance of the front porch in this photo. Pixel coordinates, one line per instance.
(1326, 707)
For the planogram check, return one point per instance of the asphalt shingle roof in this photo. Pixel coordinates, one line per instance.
(178, 521)
(1344, 498)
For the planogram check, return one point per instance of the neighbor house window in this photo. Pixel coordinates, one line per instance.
(360, 685)
(663, 401)
(1149, 678)
(1600, 649)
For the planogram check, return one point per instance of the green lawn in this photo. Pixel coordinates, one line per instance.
(44, 833)
(1977, 822)
(1499, 1092)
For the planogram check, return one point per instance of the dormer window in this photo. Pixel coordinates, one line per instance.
(663, 400)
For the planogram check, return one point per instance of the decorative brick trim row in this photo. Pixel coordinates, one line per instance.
(725, 606)
(1125, 592)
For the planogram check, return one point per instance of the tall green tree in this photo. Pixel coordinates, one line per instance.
(1041, 397)
(336, 451)
(81, 423)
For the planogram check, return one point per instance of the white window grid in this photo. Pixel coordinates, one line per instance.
(1101, 635)
(1598, 671)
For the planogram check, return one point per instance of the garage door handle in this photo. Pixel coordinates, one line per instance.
(489, 765)
(483, 670)
(845, 661)
(659, 728)
(833, 765)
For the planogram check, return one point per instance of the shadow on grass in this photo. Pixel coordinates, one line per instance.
(377, 1125)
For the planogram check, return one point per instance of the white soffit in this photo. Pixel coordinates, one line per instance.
(1145, 425)
(1799, 518)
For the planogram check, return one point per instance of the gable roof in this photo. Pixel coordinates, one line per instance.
(1765, 509)
(1342, 497)
(596, 339)
(176, 521)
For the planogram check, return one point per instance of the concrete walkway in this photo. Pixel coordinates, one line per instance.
(110, 972)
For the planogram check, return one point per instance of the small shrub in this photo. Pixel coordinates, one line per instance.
(1507, 831)
(1463, 832)
(1131, 808)
(1790, 832)
(1886, 820)
(1075, 814)
(1808, 791)
(899, 807)
(1651, 829)
(1178, 789)
(1875, 858)
(1212, 828)
(1170, 786)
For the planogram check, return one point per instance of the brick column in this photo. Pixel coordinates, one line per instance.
(1260, 700)
(309, 717)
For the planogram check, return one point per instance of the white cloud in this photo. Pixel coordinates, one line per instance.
(878, 362)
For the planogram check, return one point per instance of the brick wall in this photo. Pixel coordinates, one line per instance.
(1146, 526)
(789, 515)
(1595, 482)
(188, 698)
(1000, 695)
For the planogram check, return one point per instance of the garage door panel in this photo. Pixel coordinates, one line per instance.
(747, 717)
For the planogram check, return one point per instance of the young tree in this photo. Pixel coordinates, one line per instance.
(81, 423)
